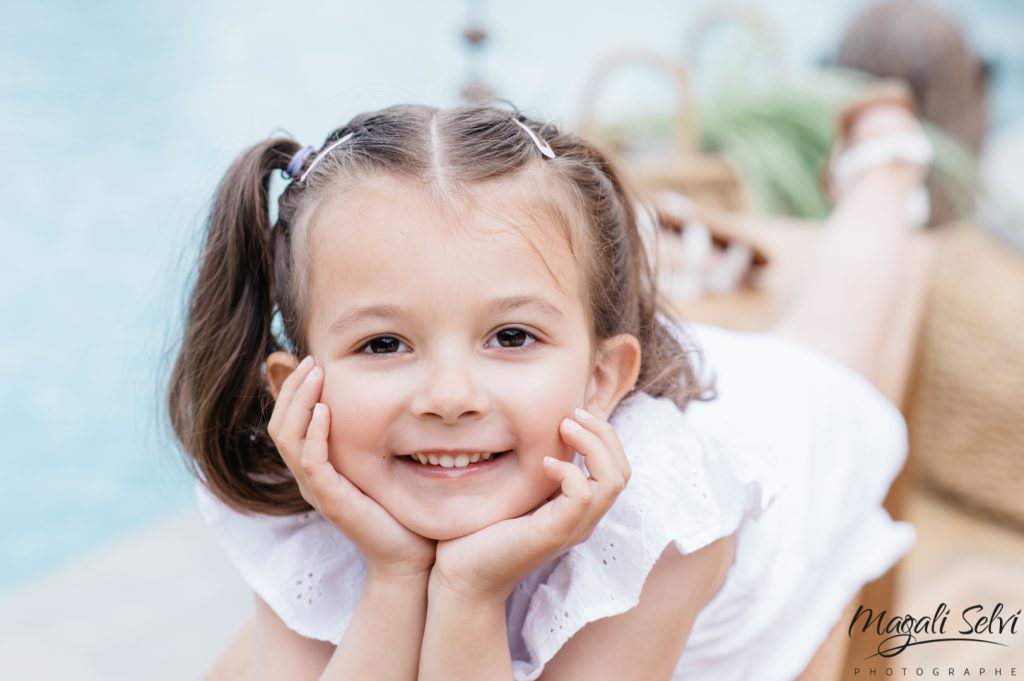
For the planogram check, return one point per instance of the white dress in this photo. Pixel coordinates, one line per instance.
(796, 454)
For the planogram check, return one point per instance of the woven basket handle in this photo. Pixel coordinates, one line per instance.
(685, 137)
(718, 16)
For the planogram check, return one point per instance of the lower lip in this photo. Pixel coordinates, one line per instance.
(432, 471)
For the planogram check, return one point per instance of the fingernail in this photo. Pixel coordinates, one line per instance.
(307, 360)
(318, 411)
(550, 459)
(582, 413)
(313, 375)
(571, 425)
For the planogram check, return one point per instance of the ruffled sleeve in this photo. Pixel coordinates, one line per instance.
(306, 570)
(686, 488)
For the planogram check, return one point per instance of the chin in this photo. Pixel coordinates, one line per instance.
(459, 524)
(443, 531)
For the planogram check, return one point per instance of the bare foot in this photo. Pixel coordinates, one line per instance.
(881, 119)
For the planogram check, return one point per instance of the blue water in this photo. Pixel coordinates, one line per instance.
(117, 120)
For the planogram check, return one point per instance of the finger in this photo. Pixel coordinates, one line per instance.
(314, 445)
(336, 497)
(320, 475)
(300, 410)
(606, 481)
(304, 492)
(603, 470)
(284, 397)
(567, 510)
(609, 437)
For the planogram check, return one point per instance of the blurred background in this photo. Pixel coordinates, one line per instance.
(119, 118)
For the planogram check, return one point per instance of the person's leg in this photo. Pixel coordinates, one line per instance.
(861, 297)
(893, 372)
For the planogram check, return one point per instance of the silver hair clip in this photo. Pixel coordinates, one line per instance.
(541, 144)
(323, 154)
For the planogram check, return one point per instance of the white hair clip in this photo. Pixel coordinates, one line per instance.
(544, 147)
(324, 153)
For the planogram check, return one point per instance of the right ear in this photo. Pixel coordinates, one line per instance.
(280, 365)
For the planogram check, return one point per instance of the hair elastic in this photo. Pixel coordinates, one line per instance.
(298, 160)
(320, 156)
(544, 147)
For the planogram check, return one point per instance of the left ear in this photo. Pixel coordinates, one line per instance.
(616, 367)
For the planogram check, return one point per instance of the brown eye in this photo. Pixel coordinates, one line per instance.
(515, 339)
(381, 345)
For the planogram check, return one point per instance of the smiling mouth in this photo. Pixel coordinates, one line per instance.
(461, 460)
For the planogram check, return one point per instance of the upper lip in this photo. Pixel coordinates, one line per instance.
(454, 450)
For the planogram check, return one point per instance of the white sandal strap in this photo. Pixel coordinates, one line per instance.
(912, 147)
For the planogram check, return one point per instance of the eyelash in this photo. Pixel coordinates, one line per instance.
(364, 346)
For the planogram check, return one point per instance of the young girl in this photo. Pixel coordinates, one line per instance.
(435, 407)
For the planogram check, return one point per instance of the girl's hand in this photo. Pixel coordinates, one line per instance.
(487, 564)
(299, 427)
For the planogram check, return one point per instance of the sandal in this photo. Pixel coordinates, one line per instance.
(846, 163)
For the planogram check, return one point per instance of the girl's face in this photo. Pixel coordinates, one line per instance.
(444, 331)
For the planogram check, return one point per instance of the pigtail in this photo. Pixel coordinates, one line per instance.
(633, 302)
(217, 399)
(671, 367)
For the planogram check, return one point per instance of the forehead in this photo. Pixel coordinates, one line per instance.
(400, 234)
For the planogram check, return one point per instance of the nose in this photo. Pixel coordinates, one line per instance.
(451, 392)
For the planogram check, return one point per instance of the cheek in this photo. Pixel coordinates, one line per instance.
(555, 384)
(358, 425)
(559, 396)
(538, 416)
(559, 384)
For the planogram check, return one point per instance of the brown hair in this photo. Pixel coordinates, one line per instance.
(251, 271)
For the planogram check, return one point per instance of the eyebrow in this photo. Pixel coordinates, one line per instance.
(495, 307)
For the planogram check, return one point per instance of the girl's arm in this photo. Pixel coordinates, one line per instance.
(382, 641)
(466, 638)
(383, 637)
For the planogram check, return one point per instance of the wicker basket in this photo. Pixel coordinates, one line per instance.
(709, 180)
(965, 406)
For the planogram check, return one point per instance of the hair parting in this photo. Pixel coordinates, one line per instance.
(251, 270)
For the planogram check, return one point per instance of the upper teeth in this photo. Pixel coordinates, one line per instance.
(449, 460)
